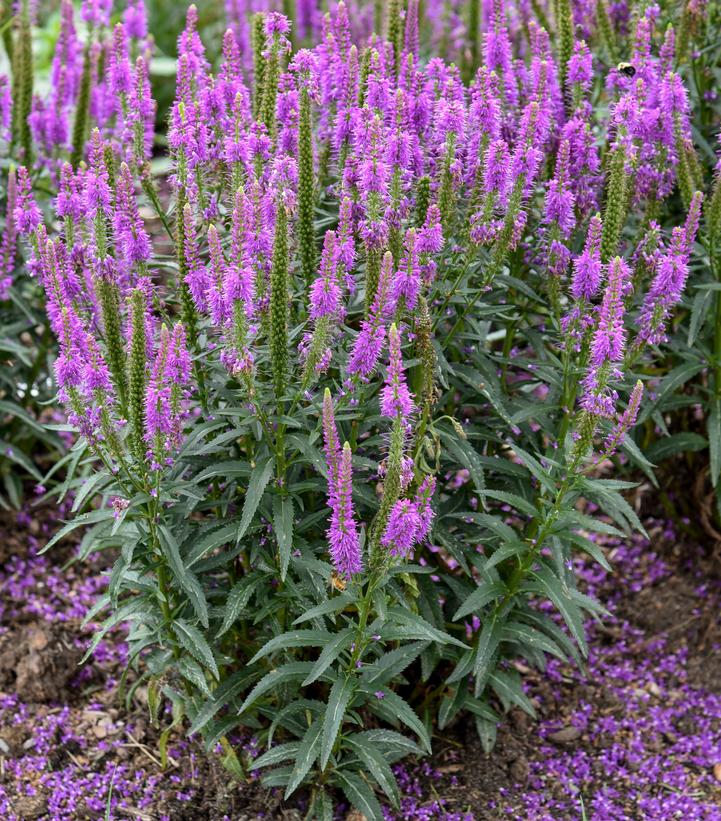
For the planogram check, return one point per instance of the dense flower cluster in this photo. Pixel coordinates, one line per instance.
(454, 234)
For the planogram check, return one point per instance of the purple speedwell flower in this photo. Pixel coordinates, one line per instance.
(369, 342)
(27, 213)
(607, 343)
(587, 267)
(402, 528)
(343, 538)
(407, 281)
(409, 521)
(8, 248)
(396, 399)
(626, 421)
(165, 393)
(325, 291)
(666, 289)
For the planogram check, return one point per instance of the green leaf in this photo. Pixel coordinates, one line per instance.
(699, 312)
(684, 442)
(535, 467)
(393, 663)
(192, 640)
(276, 755)
(306, 756)
(340, 695)
(394, 743)
(193, 672)
(256, 487)
(488, 640)
(333, 605)
(330, 653)
(547, 584)
(510, 689)
(134, 610)
(524, 634)
(293, 638)
(223, 695)
(377, 766)
(486, 731)
(224, 469)
(360, 795)
(185, 578)
(485, 593)
(283, 527)
(714, 439)
(419, 628)
(467, 456)
(217, 537)
(394, 709)
(514, 500)
(95, 516)
(237, 600)
(293, 671)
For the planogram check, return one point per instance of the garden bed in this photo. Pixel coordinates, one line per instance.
(638, 737)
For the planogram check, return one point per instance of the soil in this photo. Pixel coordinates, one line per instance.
(59, 725)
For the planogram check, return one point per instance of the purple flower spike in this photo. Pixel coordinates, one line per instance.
(27, 213)
(396, 399)
(343, 538)
(587, 266)
(607, 344)
(626, 421)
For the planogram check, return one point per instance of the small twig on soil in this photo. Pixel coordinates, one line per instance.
(146, 750)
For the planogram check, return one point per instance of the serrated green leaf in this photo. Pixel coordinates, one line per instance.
(237, 600)
(293, 638)
(485, 593)
(193, 641)
(420, 628)
(340, 695)
(193, 672)
(377, 766)
(488, 640)
(513, 499)
(259, 479)
(543, 581)
(330, 653)
(713, 430)
(185, 578)
(393, 743)
(334, 605)
(283, 528)
(293, 671)
(306, 756)
(393, 708)
(276, 755)
(360, 795)
(684, 442)
(510, 689)
(224, 694)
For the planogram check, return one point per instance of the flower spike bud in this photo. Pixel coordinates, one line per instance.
(279, 296)
(616, 203)
(137, 367)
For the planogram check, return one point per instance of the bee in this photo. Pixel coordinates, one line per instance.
(626, 69)
(337, 582)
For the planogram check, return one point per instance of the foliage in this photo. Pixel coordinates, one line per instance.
(349, 382)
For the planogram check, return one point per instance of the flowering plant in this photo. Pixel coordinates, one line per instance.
(26, 342)
(347, 397)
